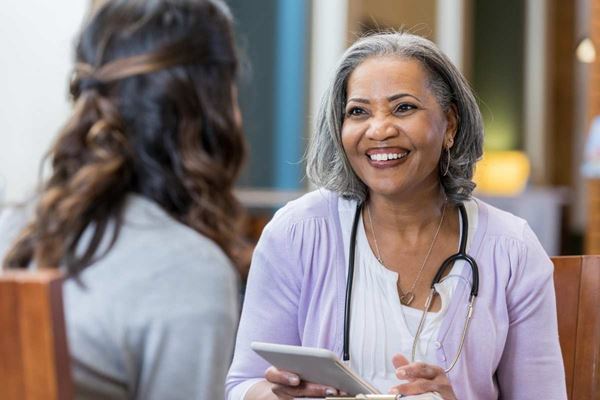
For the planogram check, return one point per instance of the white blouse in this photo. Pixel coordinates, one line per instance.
(381, 326)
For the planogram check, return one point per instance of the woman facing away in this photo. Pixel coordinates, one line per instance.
(138, 208)
(397, 139)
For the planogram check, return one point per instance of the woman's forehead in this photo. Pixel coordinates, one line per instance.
(386, 75)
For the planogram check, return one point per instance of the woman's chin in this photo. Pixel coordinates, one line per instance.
(388, 191)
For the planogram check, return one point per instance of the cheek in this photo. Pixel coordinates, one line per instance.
(348, 139)
(428, 137)
(351, 143)
(352, 132)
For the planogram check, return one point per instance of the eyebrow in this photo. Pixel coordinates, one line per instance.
(390, 98)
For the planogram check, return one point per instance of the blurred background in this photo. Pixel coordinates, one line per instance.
(532, 64)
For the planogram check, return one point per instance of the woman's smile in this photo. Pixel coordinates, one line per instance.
(387, 157)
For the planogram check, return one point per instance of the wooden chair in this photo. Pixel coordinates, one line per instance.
(577, 283)
(34, 359)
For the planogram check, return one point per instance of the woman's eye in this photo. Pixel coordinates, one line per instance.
(405, 107)
(355, 112)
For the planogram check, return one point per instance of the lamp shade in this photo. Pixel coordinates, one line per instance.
(586, 51)
(502, 173)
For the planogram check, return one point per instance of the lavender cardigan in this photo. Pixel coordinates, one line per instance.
(296, 287)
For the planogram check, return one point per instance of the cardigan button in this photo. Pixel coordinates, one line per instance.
(437, 345)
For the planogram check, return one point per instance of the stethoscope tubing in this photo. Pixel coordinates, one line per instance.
(461, 255)
(349, 282)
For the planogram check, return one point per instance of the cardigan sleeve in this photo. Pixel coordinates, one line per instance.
(270, 311)
(531, 366)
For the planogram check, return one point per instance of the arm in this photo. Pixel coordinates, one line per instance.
(531, 365)
(271, 309)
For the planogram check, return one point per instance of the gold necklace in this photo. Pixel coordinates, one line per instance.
(408, 297)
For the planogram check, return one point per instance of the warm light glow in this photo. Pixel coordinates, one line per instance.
(502, 173)
(586, 51)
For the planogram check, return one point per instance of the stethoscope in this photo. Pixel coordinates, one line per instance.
(461, 255)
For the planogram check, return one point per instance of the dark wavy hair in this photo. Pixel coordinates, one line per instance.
(154, 114)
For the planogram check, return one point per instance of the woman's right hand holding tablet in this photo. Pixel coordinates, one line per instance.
(286, 385)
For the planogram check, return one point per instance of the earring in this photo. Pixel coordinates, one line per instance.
(447, 160)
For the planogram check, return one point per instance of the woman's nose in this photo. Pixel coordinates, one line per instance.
(381, 129)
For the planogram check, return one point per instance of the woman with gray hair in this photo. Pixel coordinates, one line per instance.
(392, 264)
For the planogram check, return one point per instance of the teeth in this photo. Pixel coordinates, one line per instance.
(388, 156)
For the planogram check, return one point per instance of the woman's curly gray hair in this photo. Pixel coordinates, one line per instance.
(327, 164)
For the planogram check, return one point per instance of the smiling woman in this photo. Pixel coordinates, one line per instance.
(368, 267)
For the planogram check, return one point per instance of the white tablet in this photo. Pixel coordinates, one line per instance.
(314, 365)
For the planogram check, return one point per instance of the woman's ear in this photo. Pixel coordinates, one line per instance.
(452, 127)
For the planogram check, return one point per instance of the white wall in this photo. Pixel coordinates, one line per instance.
(536, 89)
(452, 20)
(36, 47)
(328, 42)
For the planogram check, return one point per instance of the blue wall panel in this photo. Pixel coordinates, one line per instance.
(290, 92)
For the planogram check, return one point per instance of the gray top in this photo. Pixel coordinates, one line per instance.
(157, 316)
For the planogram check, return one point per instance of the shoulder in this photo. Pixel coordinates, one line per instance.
(303, 234)
(500, 223)
(154, 253)
(312, 215)
(507, 242)
(146, 224)
(506, 231)
(320, 203)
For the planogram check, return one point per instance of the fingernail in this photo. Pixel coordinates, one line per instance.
(294, 380)
(400, 372)
(394, 391)
(330, 392)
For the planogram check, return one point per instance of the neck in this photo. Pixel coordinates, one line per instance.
(408, 215)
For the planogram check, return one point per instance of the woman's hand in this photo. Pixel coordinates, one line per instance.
(421, 378)
(287, 385)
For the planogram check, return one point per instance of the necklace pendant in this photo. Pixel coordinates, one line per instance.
(407, 298)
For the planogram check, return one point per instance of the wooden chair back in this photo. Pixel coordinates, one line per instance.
(34, 359)
(577, 283)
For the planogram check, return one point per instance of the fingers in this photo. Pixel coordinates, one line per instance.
(419, 370)
(287, 385)
(304, 389)
(285, 378)
(420, 386)
(422, 378)
(416, 387)
(399, 360)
